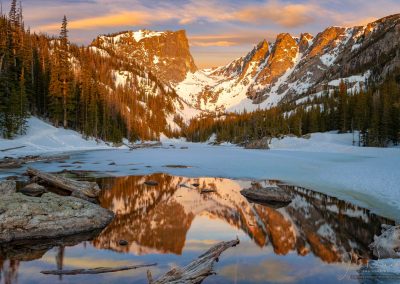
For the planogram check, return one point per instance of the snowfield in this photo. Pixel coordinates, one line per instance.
(42, 137)
(327, 162)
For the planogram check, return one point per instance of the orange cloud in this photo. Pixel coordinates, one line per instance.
(273, 11)
(287, 15)
(110, 20)
(214, 43)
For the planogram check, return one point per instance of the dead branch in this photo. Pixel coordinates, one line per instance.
(98, 270)
(198, 269)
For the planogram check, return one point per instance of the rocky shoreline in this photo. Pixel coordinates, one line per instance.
(49, 215)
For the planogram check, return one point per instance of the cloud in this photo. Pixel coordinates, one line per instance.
(214, 43)
(284, 14)
(211, 11)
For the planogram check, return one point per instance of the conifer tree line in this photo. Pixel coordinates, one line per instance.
(74, 87)
(372, 114)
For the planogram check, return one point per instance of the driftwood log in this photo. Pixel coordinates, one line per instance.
(80, 189)
(12, 163)
(98, 270)
(197, 270)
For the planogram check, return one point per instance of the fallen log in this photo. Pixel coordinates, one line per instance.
(80, 189)
(197, 270)
(98, 270)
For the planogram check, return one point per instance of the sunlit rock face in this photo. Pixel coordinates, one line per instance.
(291, 67)
(165, 54)
(156, 219)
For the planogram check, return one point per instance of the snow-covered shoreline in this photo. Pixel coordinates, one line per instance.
(327, 162)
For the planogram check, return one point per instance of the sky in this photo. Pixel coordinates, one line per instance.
(218, 30)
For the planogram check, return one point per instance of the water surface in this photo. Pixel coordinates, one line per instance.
(315, 238)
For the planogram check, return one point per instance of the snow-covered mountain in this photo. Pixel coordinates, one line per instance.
(294, 67)
(289, 69)
(165, 54)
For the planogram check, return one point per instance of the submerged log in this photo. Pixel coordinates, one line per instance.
(267, 196)
(80, 189)
(387, 245)
(98, 270)
(197, 270)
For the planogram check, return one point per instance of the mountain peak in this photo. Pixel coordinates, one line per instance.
(166, 54)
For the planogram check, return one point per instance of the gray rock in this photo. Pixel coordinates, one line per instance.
(50, 216)
(123, 243)
(7, 187)
(269, 196)
(33, 189)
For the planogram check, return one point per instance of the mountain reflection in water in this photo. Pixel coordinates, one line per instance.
(315, 237)
(156, 219)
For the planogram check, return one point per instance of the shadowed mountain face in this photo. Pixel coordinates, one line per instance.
(156, 219)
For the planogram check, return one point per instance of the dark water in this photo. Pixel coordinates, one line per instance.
(315, 239)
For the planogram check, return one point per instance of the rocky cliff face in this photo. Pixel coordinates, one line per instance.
(165, 54)
(288, 69)
(292, 68)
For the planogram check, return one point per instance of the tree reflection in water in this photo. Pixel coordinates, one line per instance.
(166, 218)
(156, 219)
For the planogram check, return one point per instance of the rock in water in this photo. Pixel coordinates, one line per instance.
(387, 245)
(50, 216)
(33, 189)
(7, 187)
(267, 196)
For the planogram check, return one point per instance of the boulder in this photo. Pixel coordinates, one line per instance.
(50, 216)
(387, 245)
(262, 143)
(33, 189)
(7, 187)
(267, 196)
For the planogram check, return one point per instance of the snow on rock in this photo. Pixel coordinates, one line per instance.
(386, 269)
(387, 245)
(99, 51)
(121, 77)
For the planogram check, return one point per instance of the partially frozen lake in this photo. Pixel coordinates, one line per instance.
(315, 237)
